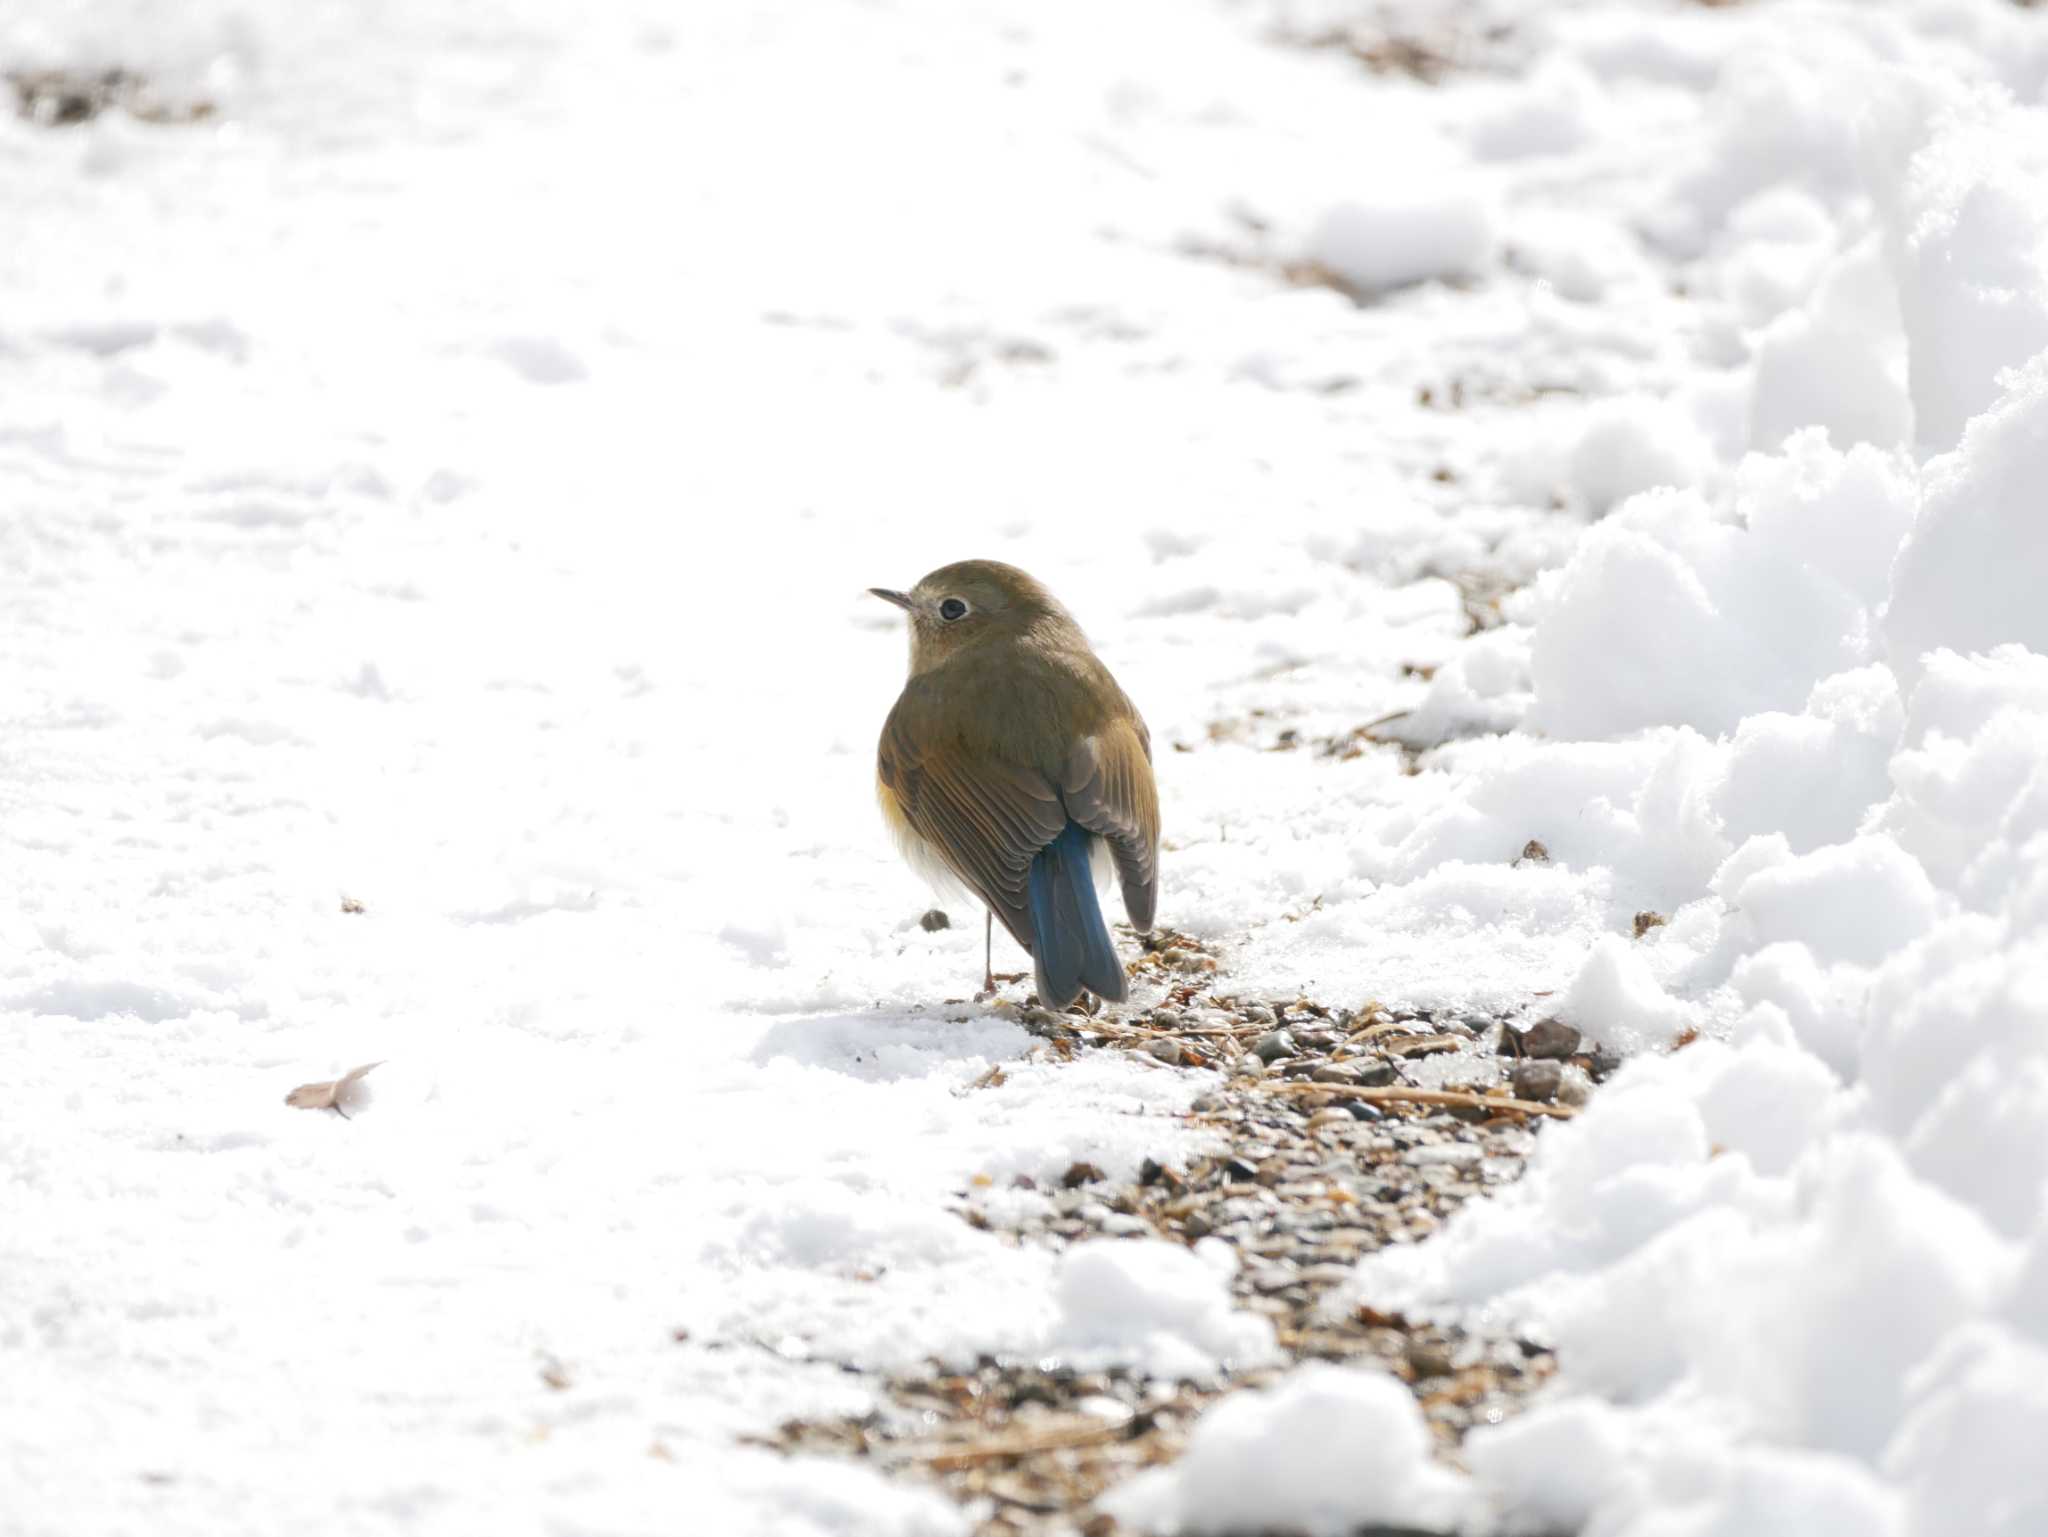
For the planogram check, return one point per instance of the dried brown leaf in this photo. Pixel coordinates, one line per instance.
(331, 1095)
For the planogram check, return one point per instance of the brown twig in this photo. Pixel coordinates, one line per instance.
(1400, 1094)
(1421, 1045)
(1378, 1028)
(1051, 1439)
(1120, 1030)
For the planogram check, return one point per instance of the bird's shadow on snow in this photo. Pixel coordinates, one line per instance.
(886, 1045)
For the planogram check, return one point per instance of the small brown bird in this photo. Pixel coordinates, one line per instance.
(1012, 759)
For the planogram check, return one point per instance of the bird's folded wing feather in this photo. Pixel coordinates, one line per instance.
(1108, 789)
(985, 819)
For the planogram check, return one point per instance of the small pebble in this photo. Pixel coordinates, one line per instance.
(1101, 1406)
(1043, 1022)
(1335, 1072)
(933, 921)
(1537, 1080)
(1458, 1155)
(1167, 1050)
(1574, 1087)
(1274, 1045)
(1258, 1014)
(1549, 1038)
(1080, 1174)
(1426, 1358)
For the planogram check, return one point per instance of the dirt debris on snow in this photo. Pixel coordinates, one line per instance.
(1325, 1149)
(1424, 48)
(60, 98)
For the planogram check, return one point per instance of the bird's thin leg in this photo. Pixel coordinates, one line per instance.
(989, 978)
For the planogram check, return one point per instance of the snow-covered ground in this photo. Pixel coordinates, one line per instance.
(446, 478)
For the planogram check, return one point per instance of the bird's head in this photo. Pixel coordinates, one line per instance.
(966, 603)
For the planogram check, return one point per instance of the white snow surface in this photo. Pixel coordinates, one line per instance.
(448, 475)
(1326, 1451)
(1155, 1305)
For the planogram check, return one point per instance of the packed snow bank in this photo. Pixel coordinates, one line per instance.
(1636, 445)
(1969, 576)
(1391, 236)
(1155, 1306)
(1814, 1237)
(1324, 1451)
(1671, 612)
(1969, 241)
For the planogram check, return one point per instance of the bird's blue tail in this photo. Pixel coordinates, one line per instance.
(1070, 943)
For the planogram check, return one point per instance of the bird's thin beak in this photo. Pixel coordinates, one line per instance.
(900, 599)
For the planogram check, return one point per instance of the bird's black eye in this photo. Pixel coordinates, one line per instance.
(952, 608)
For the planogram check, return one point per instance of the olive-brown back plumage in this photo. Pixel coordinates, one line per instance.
(1009, 732)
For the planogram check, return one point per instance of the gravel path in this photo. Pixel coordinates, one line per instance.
(1333, 1131)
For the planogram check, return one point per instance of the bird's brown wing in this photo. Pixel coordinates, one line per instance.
(1108, 789)
(984, 819)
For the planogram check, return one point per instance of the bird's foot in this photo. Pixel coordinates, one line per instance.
(990, 984)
